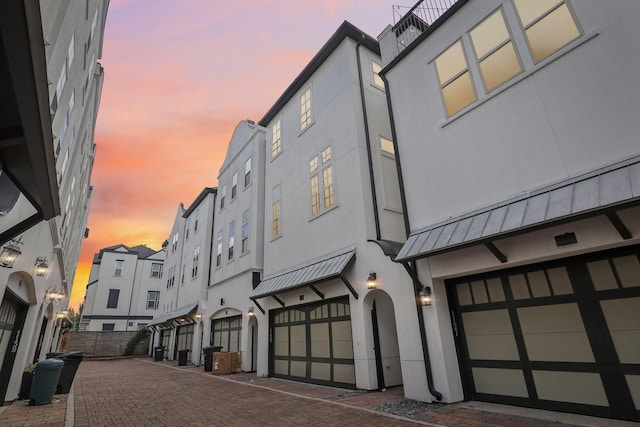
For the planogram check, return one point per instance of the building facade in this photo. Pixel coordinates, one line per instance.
(515, 125)
(51, 86)
(123, 293)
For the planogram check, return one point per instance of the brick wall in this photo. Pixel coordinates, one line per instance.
(104, 343)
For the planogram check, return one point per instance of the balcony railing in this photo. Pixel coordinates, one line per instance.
(408, 26)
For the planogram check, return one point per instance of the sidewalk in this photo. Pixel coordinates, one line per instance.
(136, 392)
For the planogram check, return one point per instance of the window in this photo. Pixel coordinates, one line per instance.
(153, 300)
(196, 219)
(548, 25)
(187, 226)
(61, 81)
(245, 231)
(455, 79)
(194, 268)
(142, 326)
(184, 267)
(232, 237)
(222, 195)
(172, 277)
(112, 301)
(108, 326)
(496, 55)
(247, 172)
(234, 186)
(322, 187)
(387, 146)
(174, 242)
(156, 270)
(275, 222)
(71, 51)
(305, 109)
(375, 70)
(219, 249)
(119, 267)
(276, 148)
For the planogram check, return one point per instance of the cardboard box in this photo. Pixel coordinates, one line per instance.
(236, 361)
(222, 363)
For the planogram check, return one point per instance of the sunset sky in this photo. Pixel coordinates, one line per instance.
(179, 76)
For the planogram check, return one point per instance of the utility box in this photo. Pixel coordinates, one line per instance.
(222, 363)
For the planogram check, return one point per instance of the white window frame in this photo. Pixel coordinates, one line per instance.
(156, 270)
(119, 268)
(276, 141)
(153, 300)
(306, 117)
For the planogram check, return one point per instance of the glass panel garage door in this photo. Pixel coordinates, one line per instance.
(563, 336)
(313, 343)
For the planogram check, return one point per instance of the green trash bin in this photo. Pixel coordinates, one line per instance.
(45, 380)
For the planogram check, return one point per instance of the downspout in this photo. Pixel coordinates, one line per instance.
(368, 143)
(133, 288)
(411, 269)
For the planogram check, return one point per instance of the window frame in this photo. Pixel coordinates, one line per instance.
(112, 298)
(118, 268)
(153, 300)
(234, 186)
(223, 193)
(158, 267)
(231, 240)
(306, 109)
(219, 248)
(245, 232)
(376, 80)
(276, 138)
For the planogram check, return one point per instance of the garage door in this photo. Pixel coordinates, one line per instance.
(563, 336)
(313, 343)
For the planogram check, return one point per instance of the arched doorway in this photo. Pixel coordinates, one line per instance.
(385, 339)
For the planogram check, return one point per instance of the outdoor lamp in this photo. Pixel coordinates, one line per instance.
(9, 254)
(425, 296)
(371, 281)
(251, 313)
(41, 266)
(198, 316)
(52, 294)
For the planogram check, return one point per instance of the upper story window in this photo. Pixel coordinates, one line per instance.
(245, 231)
(386, 145)
(196, 219)
(187, 226)
(375, 71)
(276, 147)
(174, 242)
(548, 25)
(172, 277)
(305, 109)
(322, 190)
(219, 249)
(156, 270)
(455, 79)
(222, 196)
(194, 268)
(494, 50)
(232, 238)
(275, 219)
(234, 186)
(119, 267)
(112, 300)
(247, 172)
(71, 50)
(153, 300)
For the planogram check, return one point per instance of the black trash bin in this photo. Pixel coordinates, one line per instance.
(208, 357)
(158, 353)
(71, 362)
(183, 356)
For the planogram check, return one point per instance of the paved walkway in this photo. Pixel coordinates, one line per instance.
(140, 392)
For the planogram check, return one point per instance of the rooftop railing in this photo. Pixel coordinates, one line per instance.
(410, 24)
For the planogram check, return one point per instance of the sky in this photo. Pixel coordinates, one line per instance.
(179, 77)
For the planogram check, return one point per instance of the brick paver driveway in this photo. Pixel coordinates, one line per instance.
(138, 392)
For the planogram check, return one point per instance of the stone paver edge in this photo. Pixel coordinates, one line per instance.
(332, 402)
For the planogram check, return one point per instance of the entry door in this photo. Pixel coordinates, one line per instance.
(12, 317)
(563, 335)
(313, 343)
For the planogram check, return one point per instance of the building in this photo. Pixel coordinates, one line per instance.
(515, 126)
(50, 86)
(179, 325)
(237, 258)
(123, 293)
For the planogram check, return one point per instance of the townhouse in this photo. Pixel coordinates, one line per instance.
(515, 126)
(50, 84)
(123, 293)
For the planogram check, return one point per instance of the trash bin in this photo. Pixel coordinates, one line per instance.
(45, 380)
(71, 362)
(208, 357)
(183, 355)
(158, 353)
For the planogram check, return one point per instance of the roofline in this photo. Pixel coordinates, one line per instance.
(345, 30)
(204, 193)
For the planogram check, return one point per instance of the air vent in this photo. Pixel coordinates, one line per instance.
(566, 239)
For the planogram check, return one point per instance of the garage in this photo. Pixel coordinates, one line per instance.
(561, 335)
(313, 343)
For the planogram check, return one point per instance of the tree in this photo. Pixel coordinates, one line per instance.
(75, 317)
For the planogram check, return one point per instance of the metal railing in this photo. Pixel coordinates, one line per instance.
(409, 25)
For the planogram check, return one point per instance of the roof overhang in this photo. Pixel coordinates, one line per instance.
(181, 316)
(326, 269)
(600, 192)
(26, 139)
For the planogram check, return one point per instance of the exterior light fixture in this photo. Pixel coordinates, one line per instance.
(198, 316)
(62, 314)
(41, 266)
(371, 280)
(425, 296)
(10, 252)
(251, 313)
(52, 294)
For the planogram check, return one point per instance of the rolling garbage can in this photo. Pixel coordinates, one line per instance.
(183, 356)
(208, 357)
(71, 362)
(158, 353)
(45, 380)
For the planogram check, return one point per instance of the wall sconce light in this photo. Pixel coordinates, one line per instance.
(62, 314)
(10, 252)
(371, 280)
(198, 316)
(425, 296)
(53, 295)
(251, 313)
(41, 266)
(221, 301)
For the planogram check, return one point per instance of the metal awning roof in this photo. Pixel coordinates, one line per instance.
(596, 193)
(168, 317)
(309, 275)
